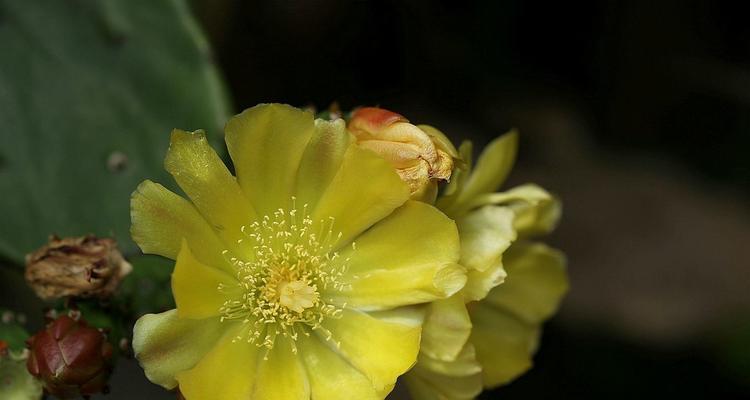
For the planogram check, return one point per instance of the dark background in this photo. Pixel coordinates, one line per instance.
(634, 112)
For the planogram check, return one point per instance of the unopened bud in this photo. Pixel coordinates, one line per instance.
(71, 358)
(84, 266)
(420, 158)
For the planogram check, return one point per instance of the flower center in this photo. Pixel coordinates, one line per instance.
(297, 295)
(281, 291)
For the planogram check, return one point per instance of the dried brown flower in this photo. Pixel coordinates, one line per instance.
(84, 266)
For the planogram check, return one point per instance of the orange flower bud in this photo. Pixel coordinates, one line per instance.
(418, 157)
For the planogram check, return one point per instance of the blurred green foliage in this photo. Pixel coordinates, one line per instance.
(86, 107)
(11, 331)
(732, 348)
(147, 289)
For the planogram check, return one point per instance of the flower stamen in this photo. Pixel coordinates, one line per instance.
(278, 292)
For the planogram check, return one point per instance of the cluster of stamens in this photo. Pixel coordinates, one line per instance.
(280, 291)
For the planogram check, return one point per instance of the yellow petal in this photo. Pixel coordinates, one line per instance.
(364, 191)
(439, 387)
(507, 322)
(479, 283)
(459, 176)
(384, 289)
(441, 141)
(415, 234)
(380, 348)
(266, 143)
(213, 190)
(281, 376)
(407, 258)
(332, 377)
(493, 165)
(535, 284)
(161, 219)
(539, 215)
(464, 364)
(321, 160)
(195, 286)
(227, 372)
(460, 379)
(485, 234)
(166, 345)
(504, 344)
(490, 171)
(536, 211)
(446, 328)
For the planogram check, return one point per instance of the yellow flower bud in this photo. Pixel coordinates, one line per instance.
(421, 159)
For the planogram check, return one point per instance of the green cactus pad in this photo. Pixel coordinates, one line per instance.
(89, 92)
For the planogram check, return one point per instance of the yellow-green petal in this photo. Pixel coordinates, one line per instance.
(407, 258)
(281, 376)
(381, 348)
(382, 289)
(536, 210)
(536, 282)
(504, 344)
(446, 328)
(441, 141)
(459, 176)
(227, 372)
(213, 190)
(479, 283)
(266, 143)
(195, 286)
(490, 171)
(365, 190)
(161, 220)
(321, 161)
(430, 386)
(493, 165)
(485, 234)
(166, 345)
(433, 379)
(331, 377)
(507, 322)
(537, 217)
(464, 364)
(414, 234)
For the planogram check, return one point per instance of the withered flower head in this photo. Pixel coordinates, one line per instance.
(71, 358)
(418, 153)
(84, 266)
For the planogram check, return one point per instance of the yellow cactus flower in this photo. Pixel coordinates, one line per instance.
(486, 334)
(296, 279)
(421, 154)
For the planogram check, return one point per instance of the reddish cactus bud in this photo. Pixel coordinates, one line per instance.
(71, 358)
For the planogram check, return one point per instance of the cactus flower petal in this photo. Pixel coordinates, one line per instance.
(292, 268)
(513, 285)
(162, 219)
(363, 337)
(166, 344)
